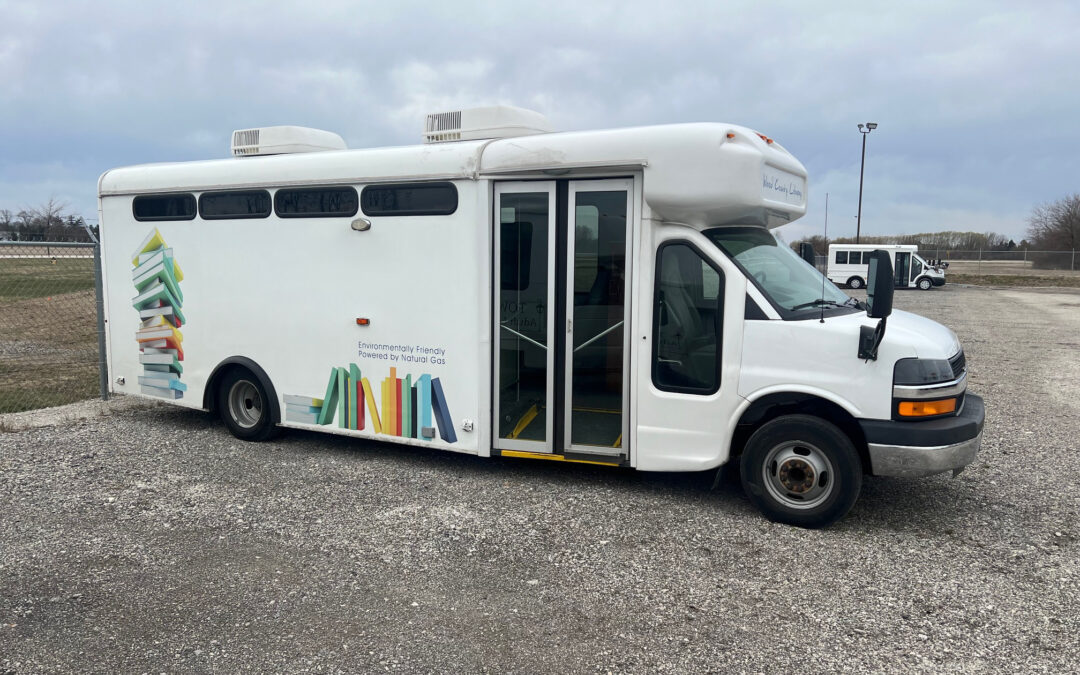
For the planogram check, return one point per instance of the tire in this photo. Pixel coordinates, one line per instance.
(801, 470)
(924, 283)
(245, 407)
(855, 282)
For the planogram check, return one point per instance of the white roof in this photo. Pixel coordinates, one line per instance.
(872, 247)
(701, 174)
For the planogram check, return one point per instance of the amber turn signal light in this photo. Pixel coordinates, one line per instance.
(927, 408)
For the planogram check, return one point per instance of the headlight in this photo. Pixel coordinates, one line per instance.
(924, 388)
(922, 371)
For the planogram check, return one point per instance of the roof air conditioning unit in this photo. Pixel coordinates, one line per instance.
(496, 121)
(283, 140)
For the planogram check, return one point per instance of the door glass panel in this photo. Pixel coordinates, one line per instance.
(900, 272)
(598, 315)
(523, 316)
(687, 312)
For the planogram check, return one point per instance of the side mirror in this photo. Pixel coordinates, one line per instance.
(879, 285)
(806, 252)
(879, 292)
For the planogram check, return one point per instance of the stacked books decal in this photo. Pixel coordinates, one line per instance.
(157, 278)
(407, 405)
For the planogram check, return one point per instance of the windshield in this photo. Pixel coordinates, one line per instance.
(790, 283)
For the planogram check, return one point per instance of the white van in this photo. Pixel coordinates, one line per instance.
(848, 266)
(608, 297)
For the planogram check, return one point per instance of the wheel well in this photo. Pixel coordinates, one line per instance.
(240, 363)
(770, 407)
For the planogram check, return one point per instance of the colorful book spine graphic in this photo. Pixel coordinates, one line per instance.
(373, 411)
(156, 277)
(426, 431)
(303, 409)
(343, 397)
(356, 398)
(410, 407)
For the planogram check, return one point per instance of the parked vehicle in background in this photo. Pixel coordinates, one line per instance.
(609, 297)
(848, 266)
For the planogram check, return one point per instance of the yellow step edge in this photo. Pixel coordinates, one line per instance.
(554, 458)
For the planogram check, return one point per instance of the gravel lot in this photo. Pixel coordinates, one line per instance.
(149, 539)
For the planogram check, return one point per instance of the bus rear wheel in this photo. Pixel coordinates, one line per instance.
(801, 470)
(244, 406)
(924, 284)
(855, 282)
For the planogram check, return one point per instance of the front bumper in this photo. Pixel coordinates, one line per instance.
(912, 449)
(938, 281)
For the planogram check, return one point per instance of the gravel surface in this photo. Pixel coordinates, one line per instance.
(151, 540)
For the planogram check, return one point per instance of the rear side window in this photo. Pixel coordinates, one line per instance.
(234, 204)
(841, 257)
(409, 199)
(328, 202)
(164, 207)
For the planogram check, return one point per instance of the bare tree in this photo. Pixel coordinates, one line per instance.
(7, 224)
(50, 217)
(1056, 226)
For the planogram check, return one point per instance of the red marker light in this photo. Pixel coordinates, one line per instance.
(363, 322)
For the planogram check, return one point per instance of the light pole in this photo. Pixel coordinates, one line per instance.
(864, 130)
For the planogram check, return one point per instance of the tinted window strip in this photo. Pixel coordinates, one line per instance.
(168, 206)
(335, 202)
(409, 199)
(234, 204)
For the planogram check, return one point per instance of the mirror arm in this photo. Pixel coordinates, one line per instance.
(870, 340)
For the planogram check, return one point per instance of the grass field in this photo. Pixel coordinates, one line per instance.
(48, 333)
(1015, 268)
(48, 327)
(42, 277)
(1021, 280)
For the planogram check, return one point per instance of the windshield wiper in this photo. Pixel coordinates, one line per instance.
(816, 303)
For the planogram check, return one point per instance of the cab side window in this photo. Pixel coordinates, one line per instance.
(688, 319)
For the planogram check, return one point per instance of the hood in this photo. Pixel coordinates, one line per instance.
(929, 339)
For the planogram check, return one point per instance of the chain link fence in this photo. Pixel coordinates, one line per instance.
(51, 319)
(50, 325)
(1024, 267)
(1015, 262)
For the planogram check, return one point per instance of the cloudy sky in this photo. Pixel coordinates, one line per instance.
(978, 102)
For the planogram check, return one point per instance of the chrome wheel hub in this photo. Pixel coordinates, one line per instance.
(245, 404)
(798, 474)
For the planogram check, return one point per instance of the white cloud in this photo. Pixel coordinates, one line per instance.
(976, 100)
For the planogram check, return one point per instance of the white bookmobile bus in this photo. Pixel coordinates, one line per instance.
(609, 297)
(848, 266)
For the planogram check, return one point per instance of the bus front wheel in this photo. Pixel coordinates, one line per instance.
(801, 470)
(924, 283)
(855, 282)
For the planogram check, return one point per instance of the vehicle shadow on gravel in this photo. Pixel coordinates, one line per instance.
(930, 505)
